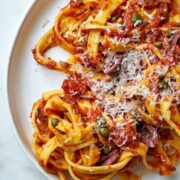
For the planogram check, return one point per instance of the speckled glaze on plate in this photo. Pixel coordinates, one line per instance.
(26, 80)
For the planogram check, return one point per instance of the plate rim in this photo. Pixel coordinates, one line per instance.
(16, 34)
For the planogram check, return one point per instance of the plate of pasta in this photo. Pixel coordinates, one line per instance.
(94, 88)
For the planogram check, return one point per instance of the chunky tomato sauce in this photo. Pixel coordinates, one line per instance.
(74, 86)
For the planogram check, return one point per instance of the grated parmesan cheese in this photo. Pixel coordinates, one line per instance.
(125, 83)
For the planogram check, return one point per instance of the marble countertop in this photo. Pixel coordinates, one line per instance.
(14, 163)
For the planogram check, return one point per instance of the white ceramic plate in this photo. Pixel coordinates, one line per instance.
(26, 80)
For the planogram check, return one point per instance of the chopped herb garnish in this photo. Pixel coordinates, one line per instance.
(136, 18)
(158, 44)
(163, 85)
(113, 17)
(169, 32)
(161, 77)
(107, 150)
(54, 122)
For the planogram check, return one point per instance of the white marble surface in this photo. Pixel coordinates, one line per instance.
(14, 164)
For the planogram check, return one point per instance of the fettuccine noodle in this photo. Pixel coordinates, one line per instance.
(120, 104)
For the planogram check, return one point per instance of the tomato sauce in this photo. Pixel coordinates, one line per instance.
(34, 54)
(75, 86)
(41, 118)
(124, 135)
(128, 19)
(51, 64)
